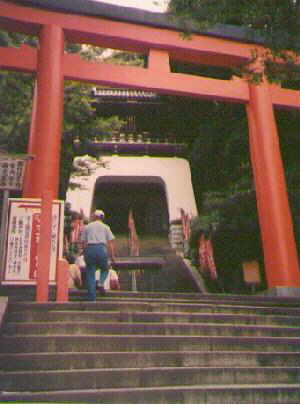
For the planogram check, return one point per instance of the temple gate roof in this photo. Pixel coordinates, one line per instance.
(137, 16)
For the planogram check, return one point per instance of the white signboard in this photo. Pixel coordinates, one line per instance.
(11, 173)
(21, 261)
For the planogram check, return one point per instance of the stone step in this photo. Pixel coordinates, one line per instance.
(145, 377)
(150, 306)
(152, 348)
(92, 360)
(27, 294)
(204, 298)
(210, 394)
(125, 343)
(87, 328)
(162, 317)
(248, 300)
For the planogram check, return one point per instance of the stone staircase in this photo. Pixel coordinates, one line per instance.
(152, 348)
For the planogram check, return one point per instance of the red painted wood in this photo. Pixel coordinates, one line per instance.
(25, 59)
(48, 125)
(62, 290)
(44, 249)
(127, 36)
(155, 79)
(280, 253)
(31, 149)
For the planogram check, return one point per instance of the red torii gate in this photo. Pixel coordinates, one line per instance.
(52, 66)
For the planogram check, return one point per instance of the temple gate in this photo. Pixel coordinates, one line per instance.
(150, 178)
(55, 22)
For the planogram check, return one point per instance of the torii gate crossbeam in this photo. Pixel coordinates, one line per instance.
(52, 66)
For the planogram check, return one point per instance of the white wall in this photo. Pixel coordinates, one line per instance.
(174, 172)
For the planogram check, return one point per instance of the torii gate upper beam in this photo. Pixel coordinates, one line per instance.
(25, 59)
(74, 68)
(199, 49)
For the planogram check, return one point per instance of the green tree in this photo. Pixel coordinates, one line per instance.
(219, 154)
(275, 23)
(220, 151)
(81, 123)
(80, 119)
(15, 100)
(15, 110)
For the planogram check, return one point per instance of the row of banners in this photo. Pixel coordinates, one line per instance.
(23, 235)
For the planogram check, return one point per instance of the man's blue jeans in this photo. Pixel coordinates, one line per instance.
(95, 256)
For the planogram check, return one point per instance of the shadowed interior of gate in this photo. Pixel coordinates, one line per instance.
(144, 196)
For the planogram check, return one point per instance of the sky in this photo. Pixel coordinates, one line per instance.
(151, 5)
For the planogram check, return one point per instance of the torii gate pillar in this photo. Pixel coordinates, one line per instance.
(45, 136)
(42, 177)
(53, 66)
(280, 253)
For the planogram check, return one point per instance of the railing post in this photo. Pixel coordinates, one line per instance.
(62, 290)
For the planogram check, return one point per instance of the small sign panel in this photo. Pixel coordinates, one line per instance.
(11, 173)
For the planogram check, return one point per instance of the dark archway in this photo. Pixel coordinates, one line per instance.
(145, 195)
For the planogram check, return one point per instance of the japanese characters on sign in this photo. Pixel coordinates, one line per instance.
(11, 173)
(23, 239)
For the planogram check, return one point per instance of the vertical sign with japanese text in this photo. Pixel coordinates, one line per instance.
(23, 238)
(11, 173)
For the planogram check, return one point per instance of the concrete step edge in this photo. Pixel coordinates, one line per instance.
(73, 313)
(151, 324)
(113, 305)
(205, 297)
(152, 317)
(49, 355)
(283, 386)
(248, 394)
(177, 299)
(42, 355)
(144, 377)
(256, 339)
(153, 369)
(82, 360)
(116, 299)
(137, 328)
(125, 343)
(220, 302)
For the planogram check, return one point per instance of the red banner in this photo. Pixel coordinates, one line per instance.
(206, 257)
(35, 236)
(186, 224)
(133, 237)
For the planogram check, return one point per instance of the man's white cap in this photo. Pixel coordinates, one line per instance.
(99, 213)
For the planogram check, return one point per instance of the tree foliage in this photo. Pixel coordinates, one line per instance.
(275, 23)
(15, 100)
(15, 110)
(80, 119)
(219, 153)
